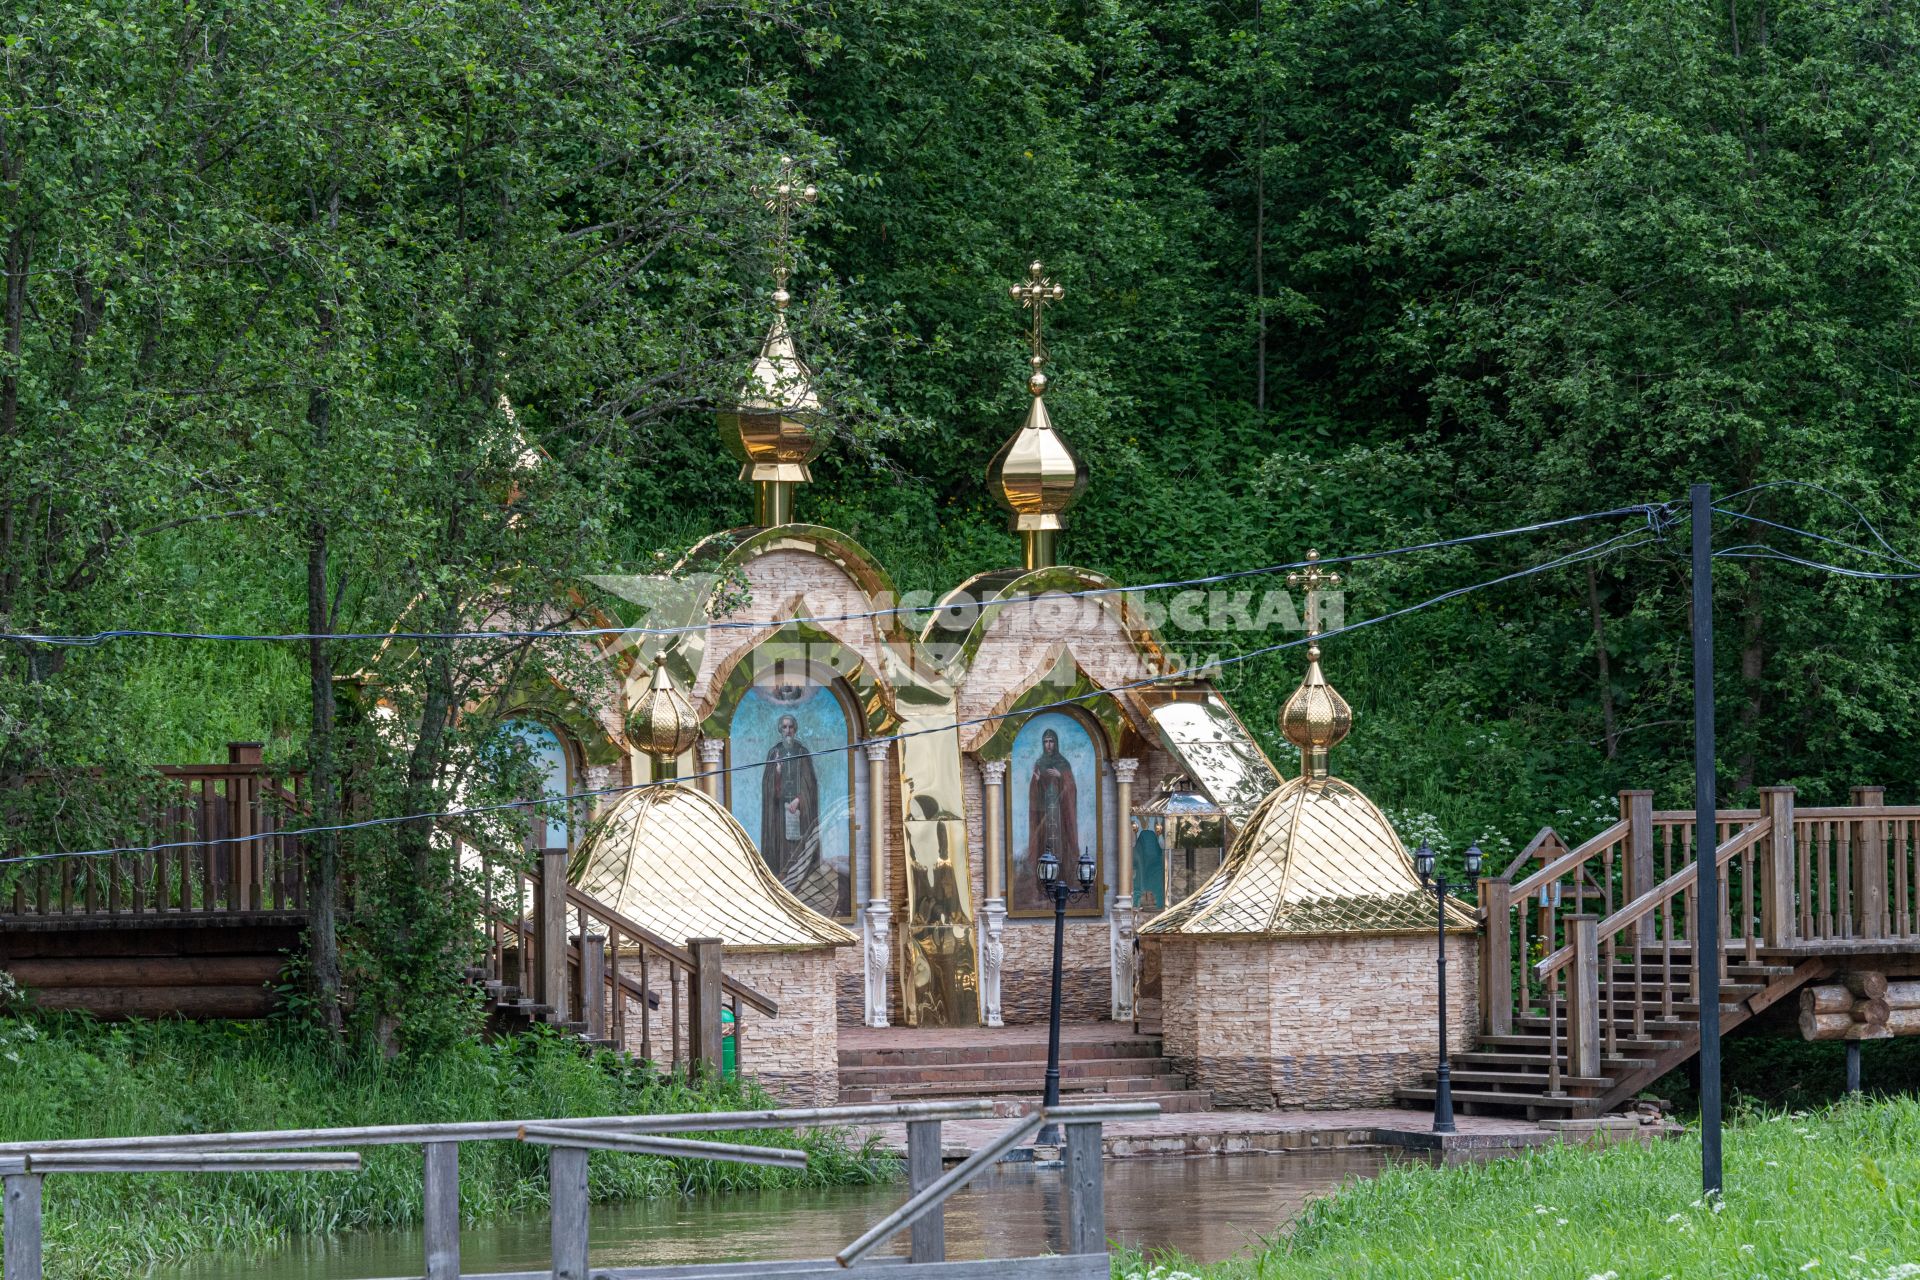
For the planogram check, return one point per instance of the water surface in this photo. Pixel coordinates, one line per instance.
(1207, 1208)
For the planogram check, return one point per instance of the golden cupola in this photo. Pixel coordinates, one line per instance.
(772, 426)
(1316, 857)
(661, 721)
(1036, 476)
(671, 858)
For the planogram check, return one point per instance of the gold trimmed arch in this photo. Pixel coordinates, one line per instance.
(1062, 679)
(810, 647)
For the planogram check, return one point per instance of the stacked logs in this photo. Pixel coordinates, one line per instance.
(1860, 1006)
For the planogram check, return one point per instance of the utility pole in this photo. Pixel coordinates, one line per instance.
(1706, 932)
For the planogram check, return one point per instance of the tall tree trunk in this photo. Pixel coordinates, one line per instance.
(323, 865)
(1610, 733)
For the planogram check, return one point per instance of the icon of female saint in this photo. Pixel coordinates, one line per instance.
(1053, 804)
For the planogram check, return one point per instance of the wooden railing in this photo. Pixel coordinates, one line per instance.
(584, 964)
(1560, 953)
(227, 853)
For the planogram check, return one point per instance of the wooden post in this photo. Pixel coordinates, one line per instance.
(567, 1184)
(1086, 1191)
(1583, 997)
(550, 932)
(1637, 808)
(1779, 916)
(593, 985)
(703, 1008)
(1496, 957)
(1870, 864)
(923, 1168)
(22, 1226)
(440, 1209)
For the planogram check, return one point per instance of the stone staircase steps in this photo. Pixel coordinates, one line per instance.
(1010, 1069)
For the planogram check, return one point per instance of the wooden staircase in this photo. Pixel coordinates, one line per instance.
(1513, 1073)
(1604, 1000)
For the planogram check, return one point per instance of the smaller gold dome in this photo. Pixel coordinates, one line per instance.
(772, 426)
(662, 722)
(1036, 476)
(1315, 717)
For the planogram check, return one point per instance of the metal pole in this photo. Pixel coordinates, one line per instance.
(1853, 1066)
(1443, 1075)
(1706, 934)
(1051, 1098)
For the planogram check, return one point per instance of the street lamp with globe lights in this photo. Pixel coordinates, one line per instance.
(1047, 870)
(1442, 1076)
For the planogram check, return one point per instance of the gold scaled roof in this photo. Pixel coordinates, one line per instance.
(1316, 857)
(673, 859)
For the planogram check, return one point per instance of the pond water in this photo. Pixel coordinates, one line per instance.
(1208, 1209)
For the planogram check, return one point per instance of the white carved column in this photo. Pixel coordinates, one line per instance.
(878, 930)
(713, 751)
(1123, 922)
(993, 912)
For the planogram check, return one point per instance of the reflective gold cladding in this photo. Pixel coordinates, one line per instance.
(771, 428)
(1315, 858)
(673, 859)
(1035, 475)
(662, 722)
(1315, 717)
(1216, 749)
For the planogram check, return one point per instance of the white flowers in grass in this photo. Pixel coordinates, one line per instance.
(1604, 1275)
(1810, 1264)
(1904, 1271)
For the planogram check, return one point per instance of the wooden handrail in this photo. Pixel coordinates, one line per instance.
(1540, 840)
(1641, 907)
(1568, 861)
(577, 897)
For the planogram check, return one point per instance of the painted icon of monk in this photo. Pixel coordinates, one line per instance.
(1053, 806)
(790, 813)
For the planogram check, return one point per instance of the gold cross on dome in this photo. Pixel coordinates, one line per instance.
(783, 198)
(1313, 577)
(1035, 295)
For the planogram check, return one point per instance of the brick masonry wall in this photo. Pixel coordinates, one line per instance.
(795, 1055)
(1312, 1022)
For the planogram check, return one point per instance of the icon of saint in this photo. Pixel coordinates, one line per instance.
(1053, 804)
(790, 819)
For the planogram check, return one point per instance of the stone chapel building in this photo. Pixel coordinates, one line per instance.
(858, 806)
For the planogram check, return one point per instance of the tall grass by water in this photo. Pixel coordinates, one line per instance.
(1830, 1194)
(70, 1077)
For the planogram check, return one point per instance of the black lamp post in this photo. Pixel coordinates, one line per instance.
(1048, 871)
(1443, 1077)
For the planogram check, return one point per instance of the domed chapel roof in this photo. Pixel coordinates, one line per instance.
(1315, 857)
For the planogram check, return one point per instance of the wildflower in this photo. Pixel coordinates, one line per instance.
(1746, 1248)
(1559, 1222)
(1718, 1204)
(1810, 1264)
(1773, 1164)
(1676, 1217)
(1604, 1275)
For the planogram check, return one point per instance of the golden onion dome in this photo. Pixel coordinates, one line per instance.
(772, 426)
(1035, 475)
(662, 722)
(671, 858)
(1315, 718)
(1315, 857)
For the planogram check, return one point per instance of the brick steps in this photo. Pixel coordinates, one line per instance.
(1012, 1071)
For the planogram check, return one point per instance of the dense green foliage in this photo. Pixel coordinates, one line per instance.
(70, 1078)
(1344, 273)
(1830, 1193)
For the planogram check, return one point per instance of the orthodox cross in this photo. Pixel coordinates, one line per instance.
(782, 199)
(1313, 577)
(1035, 295)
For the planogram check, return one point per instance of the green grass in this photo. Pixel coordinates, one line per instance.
(68, 1077)
(1828, 1194)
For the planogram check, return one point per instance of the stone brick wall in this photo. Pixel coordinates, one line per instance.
(795, 1055)
(1312, 1022)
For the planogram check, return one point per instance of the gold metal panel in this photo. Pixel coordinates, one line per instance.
(673, 859)
(1218, 753)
